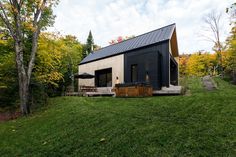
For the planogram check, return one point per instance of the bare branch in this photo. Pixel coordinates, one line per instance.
(208, 38)
(212, 21)
(6, 21)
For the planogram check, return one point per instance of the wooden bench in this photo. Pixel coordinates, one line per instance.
(87, 89)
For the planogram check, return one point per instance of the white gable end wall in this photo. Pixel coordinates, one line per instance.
(115, 62)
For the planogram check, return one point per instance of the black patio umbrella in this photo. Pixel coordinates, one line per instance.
(84, 76)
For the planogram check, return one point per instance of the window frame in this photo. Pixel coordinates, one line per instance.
(100, 73)
(132, 67)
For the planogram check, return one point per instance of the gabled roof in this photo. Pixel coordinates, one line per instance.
(155, 36)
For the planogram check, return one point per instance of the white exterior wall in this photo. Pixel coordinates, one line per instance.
(115, 62)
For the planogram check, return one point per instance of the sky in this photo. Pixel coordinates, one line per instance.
(108, 19)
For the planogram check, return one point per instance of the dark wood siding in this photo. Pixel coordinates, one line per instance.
(152, 60)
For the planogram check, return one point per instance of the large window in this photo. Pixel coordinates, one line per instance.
(103, 78)
(134, 73)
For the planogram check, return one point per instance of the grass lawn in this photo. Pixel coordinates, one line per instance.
(200, 124)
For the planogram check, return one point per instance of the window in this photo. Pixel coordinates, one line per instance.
(103, 78)
(134, 73)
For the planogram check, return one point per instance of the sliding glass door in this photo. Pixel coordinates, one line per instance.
(103, 78)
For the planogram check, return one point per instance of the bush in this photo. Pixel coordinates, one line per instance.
(38, 95)
(9, 96)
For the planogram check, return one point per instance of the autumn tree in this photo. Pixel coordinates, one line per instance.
(212, 34)
(120, 39)
(183, 60)
(231, 42)
(24, 20)
(197, 64)
(56, 61)
(49, 59)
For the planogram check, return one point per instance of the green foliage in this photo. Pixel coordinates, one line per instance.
(74, 56)
(57, 59)
(6, 44)
(202, 124)
(232, 54)
(24, 20)
(8, 80)
(28, 10)
(88, 48)
(74, 51)
(90, 42)
(8, 72)
(49, 60)
(231, 42)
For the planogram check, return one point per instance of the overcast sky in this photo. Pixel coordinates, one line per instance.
(108, 19)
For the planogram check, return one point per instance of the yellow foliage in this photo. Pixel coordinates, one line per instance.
(49, 60)
(53, 57)
(198, 64)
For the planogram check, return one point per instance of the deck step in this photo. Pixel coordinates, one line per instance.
(169, 90)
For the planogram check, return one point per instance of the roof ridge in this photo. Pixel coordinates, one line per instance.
(134, 37)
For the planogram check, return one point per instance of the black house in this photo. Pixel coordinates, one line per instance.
(151, 57)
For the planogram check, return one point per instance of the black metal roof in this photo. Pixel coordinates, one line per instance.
(155, 36)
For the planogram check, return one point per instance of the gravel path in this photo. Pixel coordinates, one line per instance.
(208, 83)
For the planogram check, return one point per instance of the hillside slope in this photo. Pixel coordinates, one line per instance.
(200, 124)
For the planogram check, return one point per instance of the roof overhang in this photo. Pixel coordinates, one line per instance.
(174, 44)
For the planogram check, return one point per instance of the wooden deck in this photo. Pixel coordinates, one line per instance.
(107, 91)
(172, 90)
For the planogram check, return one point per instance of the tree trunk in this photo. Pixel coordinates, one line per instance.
(24, 95)
(12, 17)
(23, 79)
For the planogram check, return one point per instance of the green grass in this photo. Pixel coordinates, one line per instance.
(202, 124)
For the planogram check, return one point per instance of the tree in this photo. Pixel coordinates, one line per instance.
(183, 60)
(231, 42)
(24, 20)
(120, 39)
(57, 61)
(212, 33)
(197, 64)
(47, 69)
(88, 48)
(73, 57)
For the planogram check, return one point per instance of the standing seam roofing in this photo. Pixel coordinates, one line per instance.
(149, 38)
